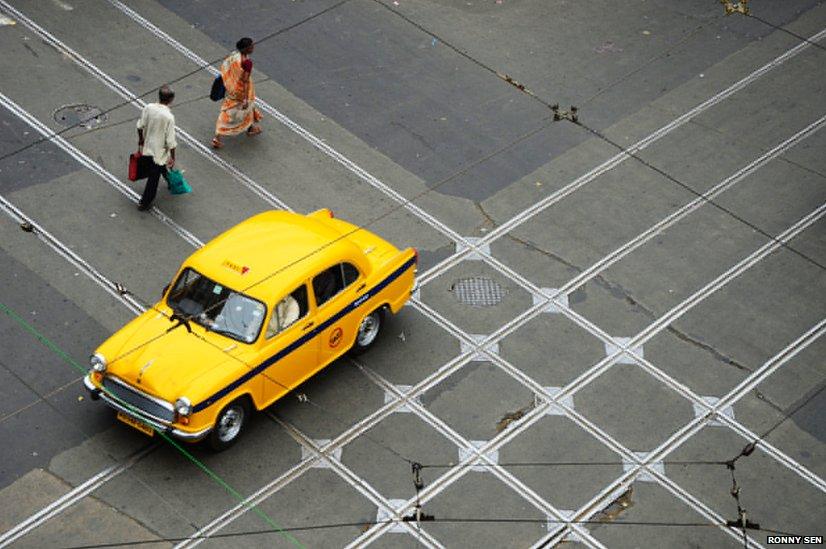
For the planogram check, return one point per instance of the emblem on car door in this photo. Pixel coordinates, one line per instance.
(335, 337)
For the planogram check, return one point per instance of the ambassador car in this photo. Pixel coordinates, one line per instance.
(247, 318)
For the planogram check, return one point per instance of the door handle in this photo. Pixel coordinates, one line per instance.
(309, 325)
(360, 288)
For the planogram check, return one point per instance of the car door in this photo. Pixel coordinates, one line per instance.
(334, 289)
(290, 353)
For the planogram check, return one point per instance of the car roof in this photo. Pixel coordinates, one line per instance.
(271, 253)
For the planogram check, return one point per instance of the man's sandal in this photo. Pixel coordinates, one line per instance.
(254, 130)
(216, 144)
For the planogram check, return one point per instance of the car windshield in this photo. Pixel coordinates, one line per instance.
(216, 307)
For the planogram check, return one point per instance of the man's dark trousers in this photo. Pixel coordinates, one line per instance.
(151, 188)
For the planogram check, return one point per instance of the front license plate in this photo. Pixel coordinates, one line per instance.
(137, 424)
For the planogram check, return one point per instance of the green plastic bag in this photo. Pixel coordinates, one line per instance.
(177, 183)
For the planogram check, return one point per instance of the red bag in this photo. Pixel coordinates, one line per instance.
(138, 166)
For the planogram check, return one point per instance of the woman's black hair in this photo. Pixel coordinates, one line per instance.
(243, 44)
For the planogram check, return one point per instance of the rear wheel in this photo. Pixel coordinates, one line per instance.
(230, 425)
(369, 330)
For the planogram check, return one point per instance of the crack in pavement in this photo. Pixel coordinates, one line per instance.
(621, 293)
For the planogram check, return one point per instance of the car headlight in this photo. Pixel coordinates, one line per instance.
(98, 362)
(183, 407)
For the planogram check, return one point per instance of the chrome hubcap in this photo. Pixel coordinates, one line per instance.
(369, 329)
(230, 424)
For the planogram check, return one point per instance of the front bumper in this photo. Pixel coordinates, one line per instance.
(96, 393)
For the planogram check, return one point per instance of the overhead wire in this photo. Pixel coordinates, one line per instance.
(564, 464)
(519, 139)
(435, 520)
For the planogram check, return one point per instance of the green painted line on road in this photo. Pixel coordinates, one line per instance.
(67, 358)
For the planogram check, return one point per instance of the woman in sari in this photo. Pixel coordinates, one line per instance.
(238, 113)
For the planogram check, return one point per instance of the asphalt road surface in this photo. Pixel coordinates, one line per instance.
(615, 299)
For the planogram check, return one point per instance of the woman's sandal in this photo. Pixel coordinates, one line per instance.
(254, 130)
(216, 144)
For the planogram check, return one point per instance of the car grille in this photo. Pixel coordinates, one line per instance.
(139, 400)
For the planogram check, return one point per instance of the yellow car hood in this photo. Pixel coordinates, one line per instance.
(170, 364)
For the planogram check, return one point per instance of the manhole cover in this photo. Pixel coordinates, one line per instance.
(478, 291)
(87, 116)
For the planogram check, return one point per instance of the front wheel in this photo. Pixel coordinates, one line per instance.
(230, 424)
(369, 330)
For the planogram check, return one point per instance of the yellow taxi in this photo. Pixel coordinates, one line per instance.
(249, 317)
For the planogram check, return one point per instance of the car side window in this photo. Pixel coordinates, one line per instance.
(350, 273)
(331, 281)
(288, 311)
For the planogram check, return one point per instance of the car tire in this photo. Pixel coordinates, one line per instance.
(368, 332)
(230, 425)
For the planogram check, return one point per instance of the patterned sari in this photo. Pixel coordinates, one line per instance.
(234, 119)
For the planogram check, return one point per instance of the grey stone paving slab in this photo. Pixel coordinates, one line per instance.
(702, 368)
(763, 484)
(169, 493)
(371, 458)
(652, 503)
(16, 395)
(558, 440)
(38, 434)
(800, 437)
(547, 179)
(791, 384)
(26, 250)
(339, 395)
(541, 267)
(604, 214)
(611, 308)
(112, 446)
(770, 104)
(478, 400)
(29, 494)
(90, 521)
(749, 329)
(31, 370)
(411, 348)
(636, 409)
(32, 166)
(60, 320)
(700, 157)
(806, 155)
(440, 294)
(681, 260)
(480, 496)
(319, 496)
(109, 242)
(552, 350)
(792, 193)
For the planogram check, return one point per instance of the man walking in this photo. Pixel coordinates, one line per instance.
(156, 138)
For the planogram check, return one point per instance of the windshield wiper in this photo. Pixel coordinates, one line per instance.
(182, 321)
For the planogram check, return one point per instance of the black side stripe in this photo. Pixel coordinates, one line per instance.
(304, 338)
